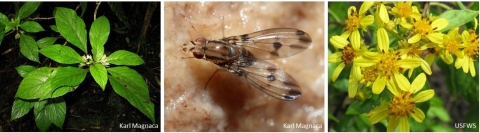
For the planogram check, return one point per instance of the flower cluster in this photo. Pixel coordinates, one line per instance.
(405, 42)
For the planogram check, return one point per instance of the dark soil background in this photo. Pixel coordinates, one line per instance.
(88, 107)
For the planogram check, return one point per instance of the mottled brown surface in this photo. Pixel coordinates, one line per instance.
(227, 103)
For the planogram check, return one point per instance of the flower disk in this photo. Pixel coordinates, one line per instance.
(348, 54)
(402, 105)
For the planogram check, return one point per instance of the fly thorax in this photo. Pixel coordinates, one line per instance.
(220, 52)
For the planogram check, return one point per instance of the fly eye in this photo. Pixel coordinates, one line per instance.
(198, 55)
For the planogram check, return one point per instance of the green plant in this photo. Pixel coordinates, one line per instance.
(42, 88)
(20, 25)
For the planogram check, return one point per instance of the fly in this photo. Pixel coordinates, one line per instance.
(244, 56)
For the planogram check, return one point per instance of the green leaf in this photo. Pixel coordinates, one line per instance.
(41, 117)
(4, 19)
(2, 34)
(56, 110)
(84, 7)
(71, 27)
(28, 47)
(457, 18)
(62, 54)
(54, 28)
(25, 69)
(123, 57)
(99, 73)
(21, 107)
(31, 26)
(68, 76)
(36, 84)
(130, 85)
(27, 9)
(62, 91)
(98, 36)
(46, 41)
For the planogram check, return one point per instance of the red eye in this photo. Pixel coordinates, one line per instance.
(198, 55)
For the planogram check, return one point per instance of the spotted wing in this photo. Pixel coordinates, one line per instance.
(268, 78)
(272, 43)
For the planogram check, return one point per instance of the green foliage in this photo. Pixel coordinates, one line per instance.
(42, 88)
(71, 27)
(458, 17)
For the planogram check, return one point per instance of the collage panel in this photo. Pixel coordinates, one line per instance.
(244, 66)
(403, 66)
(80, 66)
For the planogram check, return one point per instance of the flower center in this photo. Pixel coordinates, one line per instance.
(402, 105)
(404, 9)
(348, 54)
(353, 22)
(369, 73)
(423, 26)
(388, 64)
(415, 50)
(451, 45)
(471, 50)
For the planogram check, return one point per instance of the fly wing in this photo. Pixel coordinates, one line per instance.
(272, 43)
(268, 78)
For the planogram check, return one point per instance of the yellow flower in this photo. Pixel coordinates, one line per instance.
(404, 11)
(469, 53)
(357, 20)
(451, 45)
(414, 51)
(389, 65)
(346, 57)
(425, 28)
(402, 106)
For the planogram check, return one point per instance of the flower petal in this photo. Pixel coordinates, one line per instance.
(355, 39)
(426, 67)
(346, 34)
(459, 62)
(352, 87)
(414, 39)
(383, 13)
(383, 40)
(335, 57)
(418, 115)
(403, 124)
(367, 20)
(424, 96)
(378, 114)
(418, 83)
(356, 72)
(362, 62)
(465, 66)
(402, 81)
(365, 6)
(392, 124)
(339, 42)
(351, 9)
(436, 37)
(393, 88)
(337, 71)
(439, 24)
(410, 62)
(379, 84)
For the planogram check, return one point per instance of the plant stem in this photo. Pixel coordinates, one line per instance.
(333, 15)
(460, 5)
(446, 7)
